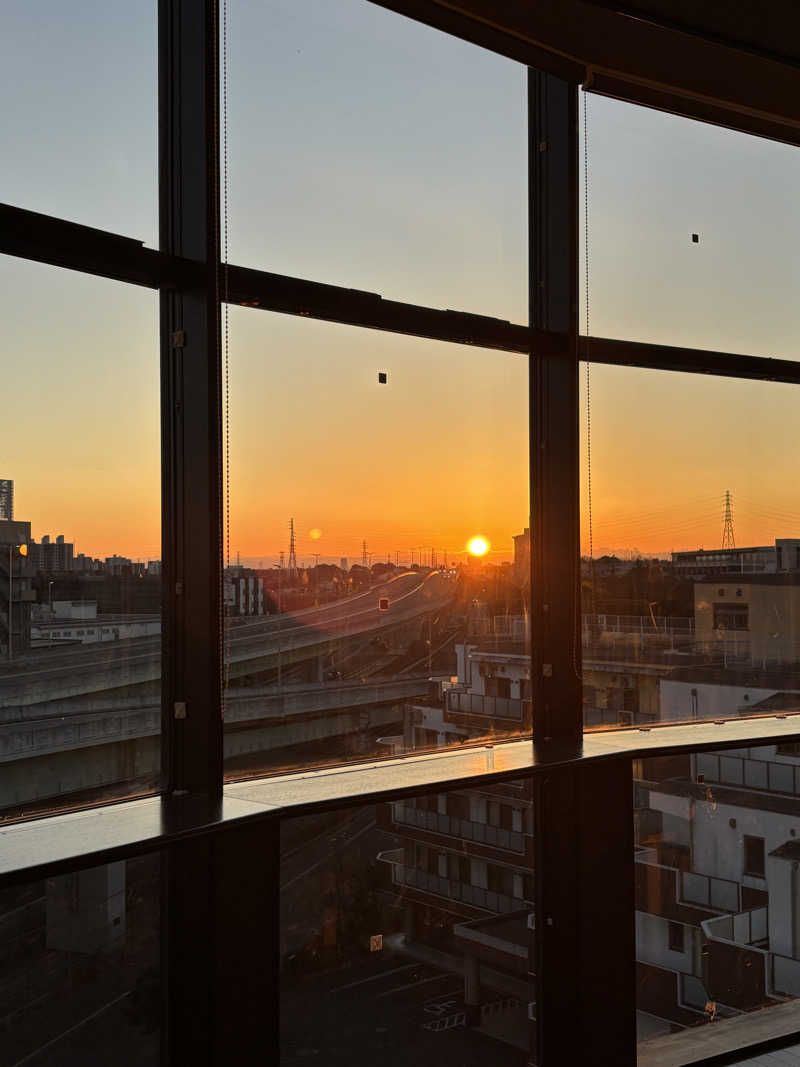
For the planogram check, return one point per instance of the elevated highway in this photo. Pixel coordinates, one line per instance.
(85, 718)
(253, 645)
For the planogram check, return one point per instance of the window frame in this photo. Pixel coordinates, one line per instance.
(205, 826)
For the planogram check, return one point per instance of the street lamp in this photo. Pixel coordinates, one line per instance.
(23, 551)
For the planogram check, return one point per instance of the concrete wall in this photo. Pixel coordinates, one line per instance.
(774, 619)
(652, 945)
(711, 701)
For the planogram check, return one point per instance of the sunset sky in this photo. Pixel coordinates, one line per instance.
(368, 151)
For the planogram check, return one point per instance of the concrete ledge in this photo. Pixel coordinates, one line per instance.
(726, 1035)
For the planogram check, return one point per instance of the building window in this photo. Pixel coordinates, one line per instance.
(754, 856)
(675, 936)
(731, 617)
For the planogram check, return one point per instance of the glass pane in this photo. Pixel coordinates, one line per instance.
(657, 182)
(80, 957)
(410, 922)
(717, 904)
(81, 139)
(80, 534)
(382, 633)
(370, 151)
(688, 616)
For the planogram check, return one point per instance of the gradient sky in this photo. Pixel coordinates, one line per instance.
(371, 152)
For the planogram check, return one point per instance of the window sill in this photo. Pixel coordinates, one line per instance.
(58, 843)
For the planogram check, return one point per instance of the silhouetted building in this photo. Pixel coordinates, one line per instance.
(522, 556)
(784, 555)
(49, 556)
(6, 500)
(15, 588)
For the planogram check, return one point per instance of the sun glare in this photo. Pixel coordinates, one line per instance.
(477, 546)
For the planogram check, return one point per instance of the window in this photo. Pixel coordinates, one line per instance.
(754, 856)
(676, 937)
(370, 151)
(60, 65)
(643, 262)
(391, 934)
(81, 966)
(731, 617)
(85, 387)
(372, 495)
(699, 639)
(371, 744)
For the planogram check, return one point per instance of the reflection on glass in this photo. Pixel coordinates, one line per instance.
(375, 596)
(80, 585)
(81, 141)
(677, 255)
(370, 151)
(691, 602)
(80, 960)
(718, 908)
(409, 922)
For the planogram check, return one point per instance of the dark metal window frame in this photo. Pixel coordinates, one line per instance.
(217, 1003)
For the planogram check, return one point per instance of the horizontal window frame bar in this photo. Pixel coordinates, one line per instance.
(61, 843)
(60, 243)
(73, 246)
(646, 356)
(657, 97)
(266, 291)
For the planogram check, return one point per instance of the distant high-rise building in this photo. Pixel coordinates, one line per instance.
(50, 555)
(6, 499)
(522, 555)
(343, 563)
(15, 589)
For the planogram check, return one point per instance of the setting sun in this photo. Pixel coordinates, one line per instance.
(477, 546)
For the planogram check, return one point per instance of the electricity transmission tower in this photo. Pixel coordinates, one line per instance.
(728, 540)
(292, 551)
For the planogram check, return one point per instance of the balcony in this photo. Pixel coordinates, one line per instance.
(487, 707)
(448, 888)
(463, 829)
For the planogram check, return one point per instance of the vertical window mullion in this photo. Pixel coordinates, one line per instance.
(584, 948)
(191, 402)
(554, 437)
